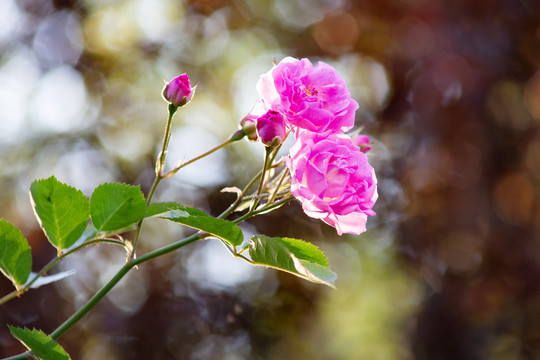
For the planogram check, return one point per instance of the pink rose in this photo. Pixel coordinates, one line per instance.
(332, 179)
(178, 91)
(271, 128)
(314, 98)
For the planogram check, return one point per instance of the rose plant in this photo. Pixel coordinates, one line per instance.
(325, 170)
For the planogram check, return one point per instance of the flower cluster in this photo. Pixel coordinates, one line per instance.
(330, 174)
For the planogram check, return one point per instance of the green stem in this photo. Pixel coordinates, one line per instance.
(157, 179)
(92, 302)
(166, 138)
(276, 190)
(119, 275)
(274, 205)
(276, 150)
(50, 265)
(160, 163)
(252, 182)
(231, 208)
(153, 189)
(159, 168)
(252, 213)
(133, 261)
(240, 197)
(234, 137)
(107, 287)
(131, 264)
(268, 152)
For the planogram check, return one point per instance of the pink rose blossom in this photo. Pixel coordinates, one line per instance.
(271, 128)
(178, 91)
(314, 98)
(332, 179)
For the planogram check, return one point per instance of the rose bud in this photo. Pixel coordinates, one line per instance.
(248, 126)
(362, 141)
(271, 128)
(178, 91)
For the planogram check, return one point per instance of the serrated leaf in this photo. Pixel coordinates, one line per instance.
(197, 219)
(62, 211)
(115, 206)
(41, 345)
(295, 256)
(15, 254)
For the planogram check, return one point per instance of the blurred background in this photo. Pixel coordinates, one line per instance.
(449, 92)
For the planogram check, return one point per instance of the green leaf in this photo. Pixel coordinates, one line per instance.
(62, 211)
(15, 254)
(295, 256)
(115, 206)
(89, 233)
(41, 345)
(197, 219)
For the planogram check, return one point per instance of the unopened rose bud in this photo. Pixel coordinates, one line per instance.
(248, 126)
(362, 141)
(178, 91)
(271, 128)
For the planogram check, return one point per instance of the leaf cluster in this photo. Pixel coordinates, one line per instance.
(70, 222)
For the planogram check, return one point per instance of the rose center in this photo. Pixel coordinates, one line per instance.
(310, 94)
(337, 178)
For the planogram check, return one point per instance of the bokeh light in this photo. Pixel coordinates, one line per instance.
(449, 94)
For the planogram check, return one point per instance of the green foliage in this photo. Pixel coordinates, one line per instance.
(41, 345)
(115, 206)
(294, 256)
(62, 211)
(15, 254)
(197, 219)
